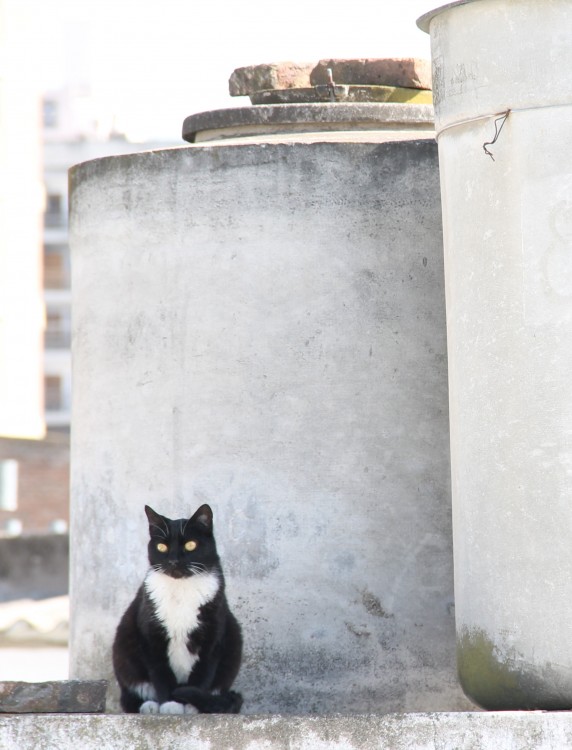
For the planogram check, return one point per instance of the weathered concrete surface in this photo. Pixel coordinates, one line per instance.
(56, 696)
(262, 327)
(508, 235)
(447, 731)
(410, 72)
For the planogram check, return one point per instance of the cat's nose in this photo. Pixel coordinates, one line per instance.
(174, 571)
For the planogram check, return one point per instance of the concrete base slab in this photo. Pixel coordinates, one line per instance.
(434, 731)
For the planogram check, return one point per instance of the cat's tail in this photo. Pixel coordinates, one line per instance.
(227, 702)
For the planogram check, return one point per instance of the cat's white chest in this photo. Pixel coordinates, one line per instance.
(177, 603)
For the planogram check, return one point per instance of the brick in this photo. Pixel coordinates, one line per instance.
(66, 696)
(284, 75)
(408, 72)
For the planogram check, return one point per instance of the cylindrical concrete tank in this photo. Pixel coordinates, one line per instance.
(260, 325)
(502, 68)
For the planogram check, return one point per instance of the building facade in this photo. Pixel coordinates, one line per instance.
(74, 132)
(21, 205)
(35, 389)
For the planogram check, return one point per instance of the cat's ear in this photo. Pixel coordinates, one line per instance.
(154, 518)
(204, 517)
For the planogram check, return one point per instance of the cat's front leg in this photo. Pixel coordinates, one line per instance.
(163, 681)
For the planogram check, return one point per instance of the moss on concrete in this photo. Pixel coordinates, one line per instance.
(505, 683)
(485, 679)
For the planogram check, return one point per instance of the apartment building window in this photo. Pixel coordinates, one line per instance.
(53, 393)
(56, 267)
(54, 216)
(58, 328)
(50, 113)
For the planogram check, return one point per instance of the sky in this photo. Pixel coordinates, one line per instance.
(153, 62)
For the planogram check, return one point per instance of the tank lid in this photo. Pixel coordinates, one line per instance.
(304, 118)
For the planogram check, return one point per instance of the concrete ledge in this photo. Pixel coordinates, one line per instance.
(435, 731)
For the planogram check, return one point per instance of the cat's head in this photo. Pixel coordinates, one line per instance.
(183, 547)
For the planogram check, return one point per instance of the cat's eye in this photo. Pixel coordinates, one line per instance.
(190, 546)
(162, 547)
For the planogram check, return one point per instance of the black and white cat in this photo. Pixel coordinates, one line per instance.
(178, 646)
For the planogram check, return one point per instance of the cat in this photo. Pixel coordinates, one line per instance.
(178, 647)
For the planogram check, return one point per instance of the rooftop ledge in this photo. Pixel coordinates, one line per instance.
(425, 731)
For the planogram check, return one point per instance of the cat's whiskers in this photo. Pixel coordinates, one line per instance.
(197, 568)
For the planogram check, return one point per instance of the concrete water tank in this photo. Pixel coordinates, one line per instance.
(259, 324)
(501, 75)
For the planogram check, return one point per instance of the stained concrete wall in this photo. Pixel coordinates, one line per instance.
(261, 327)
(508, 236)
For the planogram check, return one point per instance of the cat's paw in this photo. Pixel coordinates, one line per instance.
(171, 707)
(149, 707)
(190, 710)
